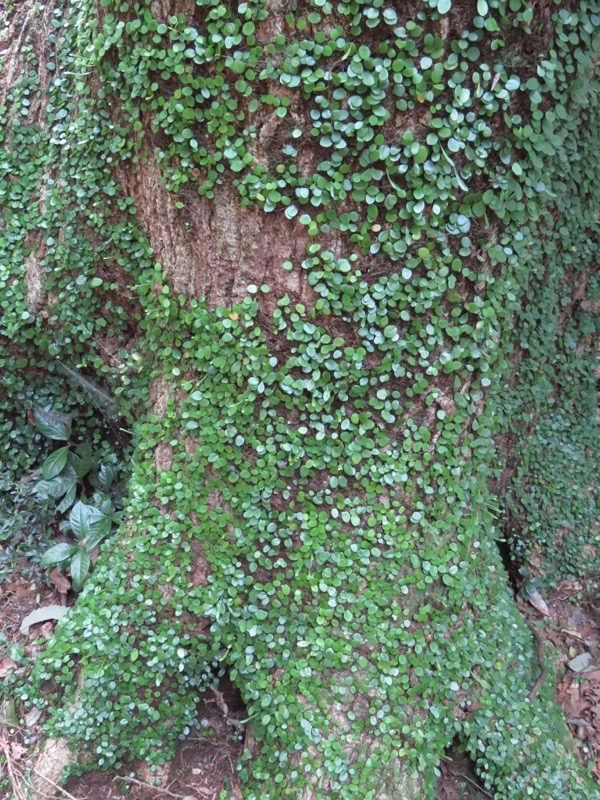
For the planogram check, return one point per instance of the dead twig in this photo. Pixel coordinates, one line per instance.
(12, 773)
(55, 785)
(476, 785)
(220, 700)
(197, 789)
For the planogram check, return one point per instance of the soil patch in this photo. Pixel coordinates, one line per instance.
(572, 646)
(204, 764)
(458, 780)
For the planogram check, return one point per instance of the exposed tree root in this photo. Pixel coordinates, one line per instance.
(539, 640)
(51, 763)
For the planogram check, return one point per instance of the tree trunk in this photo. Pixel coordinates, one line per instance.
(312, 298)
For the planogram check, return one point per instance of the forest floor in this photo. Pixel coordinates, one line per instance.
(205, 761)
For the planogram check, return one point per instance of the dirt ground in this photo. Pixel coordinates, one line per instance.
(205, 762)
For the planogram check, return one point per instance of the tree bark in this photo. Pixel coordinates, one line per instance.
(355, 593)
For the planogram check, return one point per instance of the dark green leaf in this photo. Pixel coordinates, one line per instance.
(53, 424)
(106, 476)
(84, 519)
(82, 460)
(94, 539)
(16, 652)
(55, 487)
(68, 499)
(55, 462)
(60, 552)
(80, 520)
(80, 566)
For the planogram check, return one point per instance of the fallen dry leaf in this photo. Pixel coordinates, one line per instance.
(41, 615)
(58, 579)
(47, 629)
(6, 665)
(25, 591)
(17, 750)
(570, 696)
(237, 792)
(32, 717)
(574, 634)
(591, 673)
(538, 602)
(588, 632)
(562, 689)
